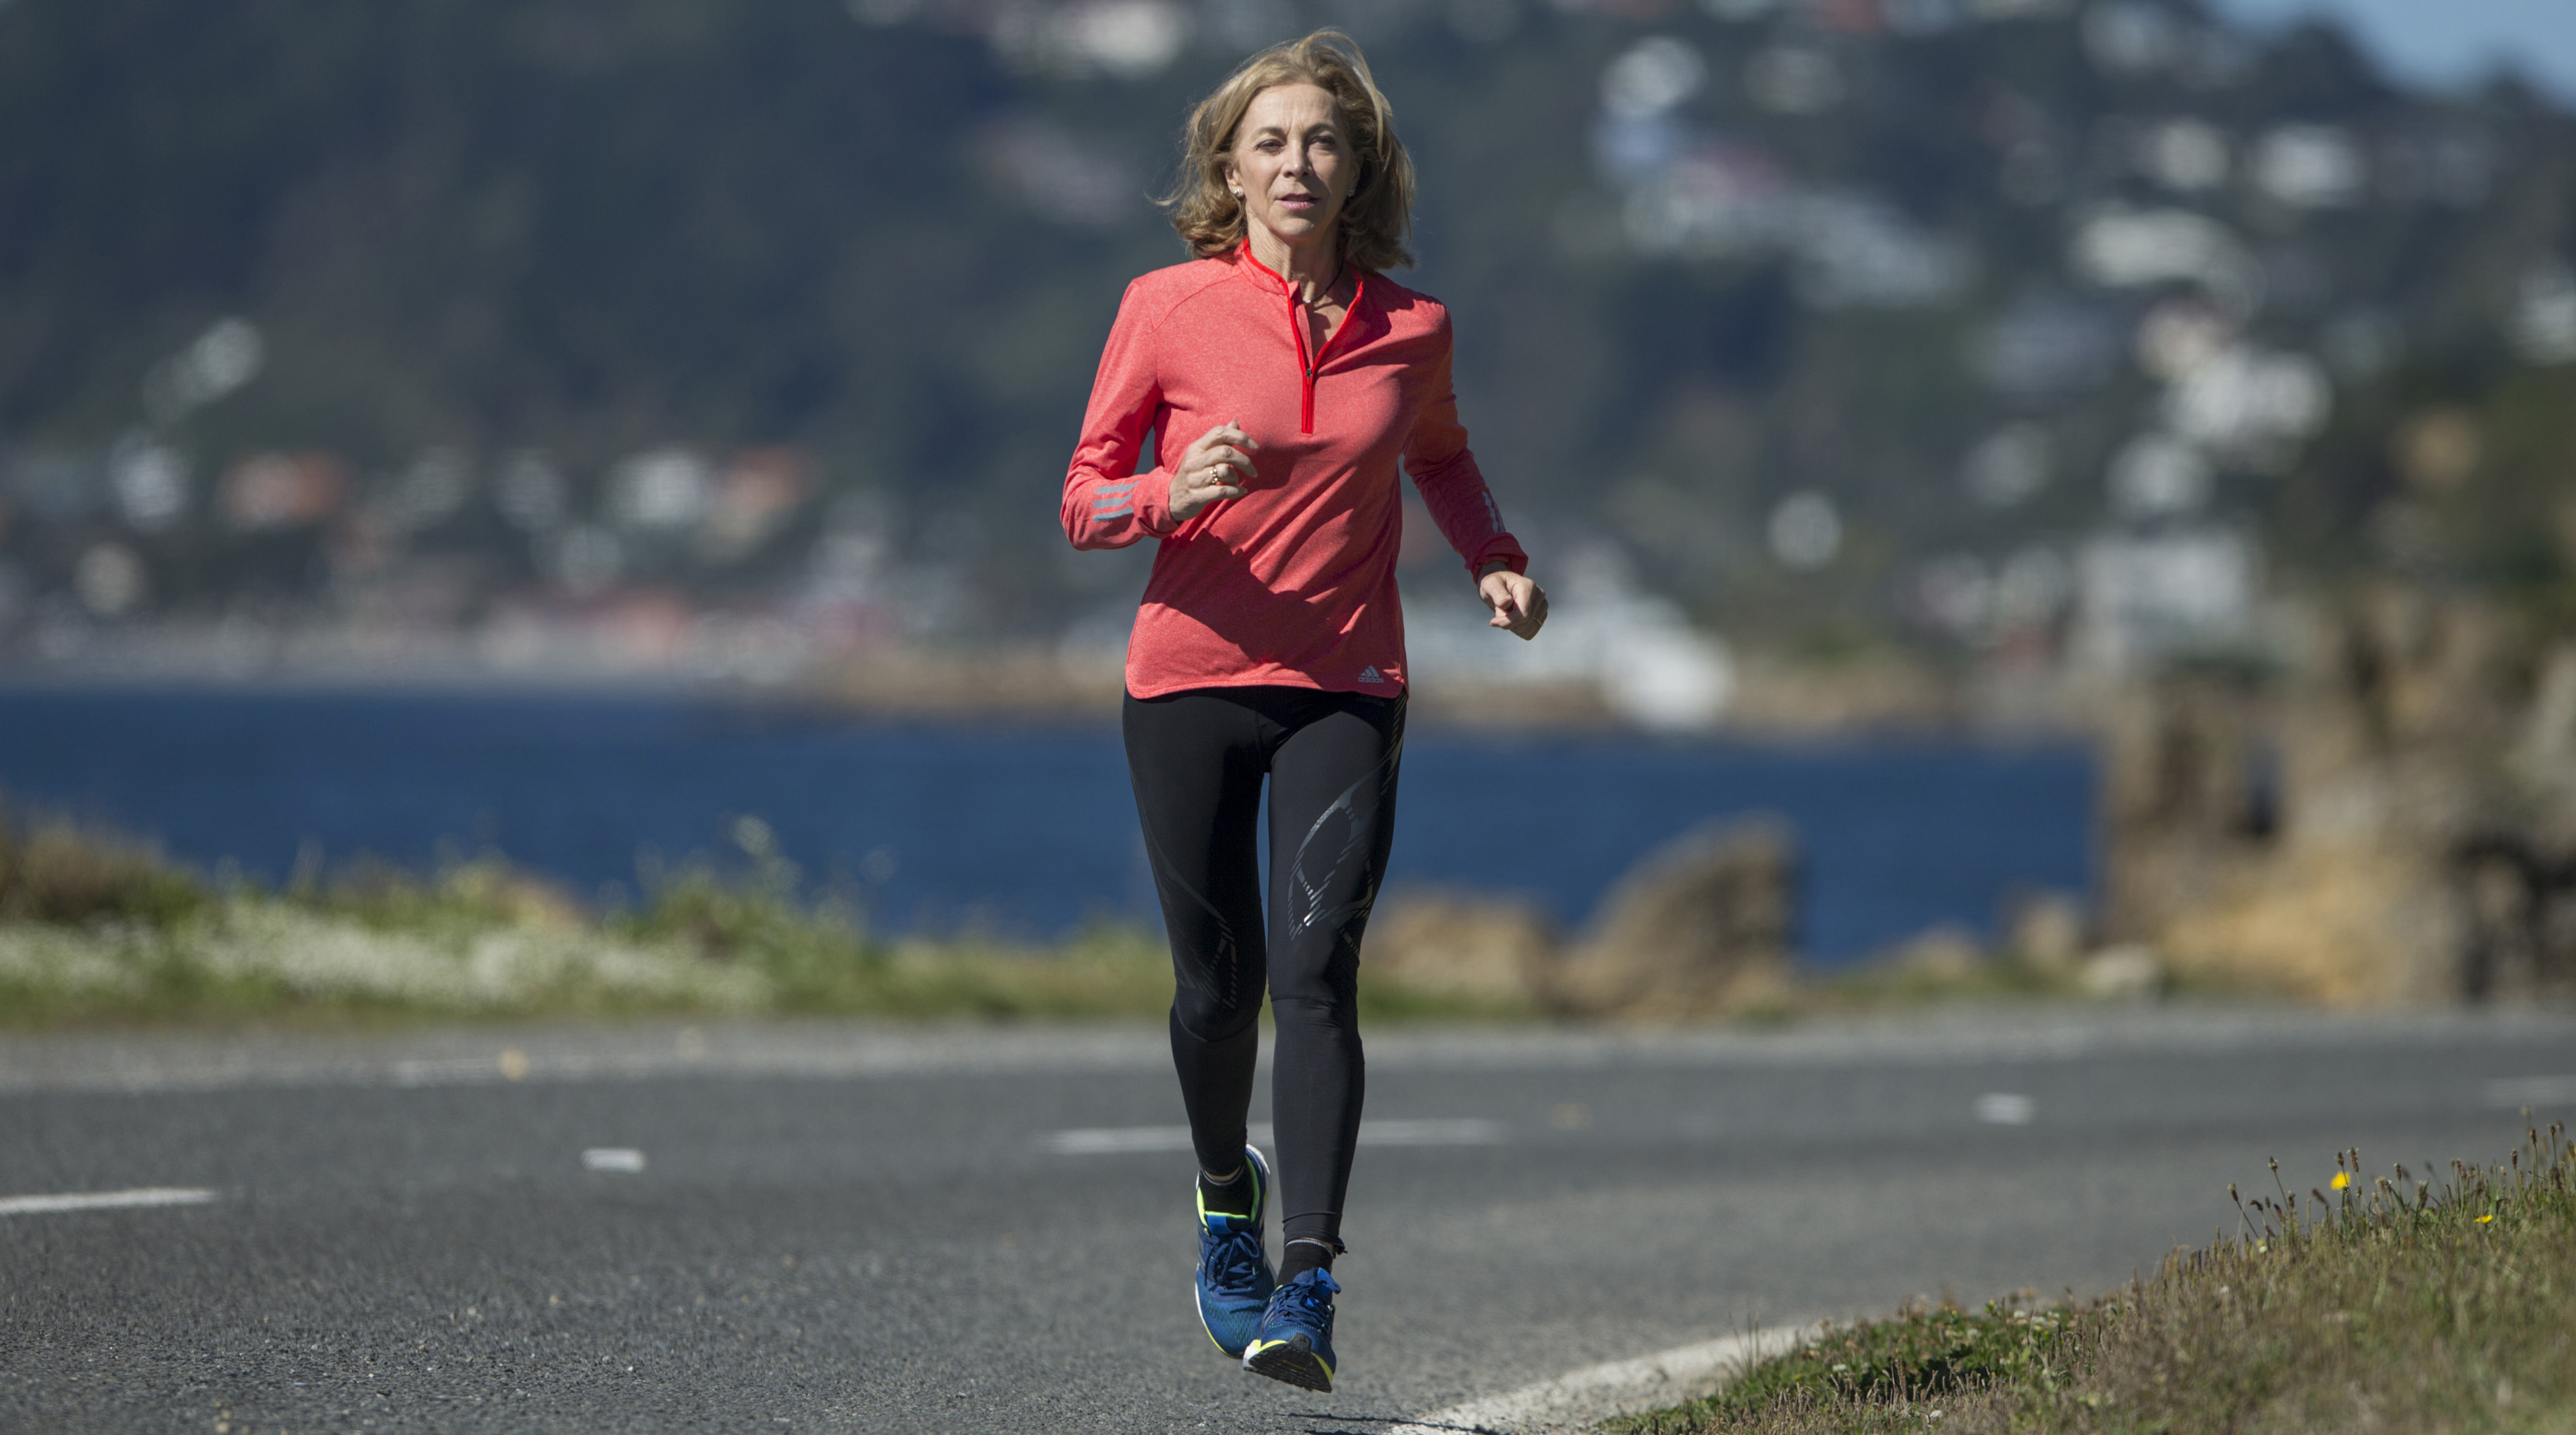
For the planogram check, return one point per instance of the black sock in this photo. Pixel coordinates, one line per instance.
(1299, 1257)
(1232, 1198)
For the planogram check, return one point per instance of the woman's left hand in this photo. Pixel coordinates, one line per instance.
(1519, 605)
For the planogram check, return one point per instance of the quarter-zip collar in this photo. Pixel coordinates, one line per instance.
(1308, 366)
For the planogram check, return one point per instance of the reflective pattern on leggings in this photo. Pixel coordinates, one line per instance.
(1198, 759)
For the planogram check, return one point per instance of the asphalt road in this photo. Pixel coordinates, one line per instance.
(859, 1229)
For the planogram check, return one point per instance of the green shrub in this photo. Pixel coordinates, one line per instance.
(53, 871)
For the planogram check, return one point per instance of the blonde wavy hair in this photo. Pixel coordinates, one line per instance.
(1378, 216)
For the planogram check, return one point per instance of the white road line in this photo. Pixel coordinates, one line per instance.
(1118, 1140)
(1579, 1399)
(625, 1160)
(2532, 1091)
(1129, 1140)
(2005, 1108)
(105, 1200)
(1468, 1132)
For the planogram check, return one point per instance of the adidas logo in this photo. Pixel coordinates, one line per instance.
(1370, 675)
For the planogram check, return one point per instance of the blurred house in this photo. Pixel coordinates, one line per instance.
(282, 490)
(2146, 596)
(1954, 334)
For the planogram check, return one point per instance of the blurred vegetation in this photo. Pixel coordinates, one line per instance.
(54, 871)
(1895, 984)
(95, 928)
(98, 927)
(2387, 1302)
(497, 225)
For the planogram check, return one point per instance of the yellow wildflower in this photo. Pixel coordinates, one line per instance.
(2342, 1179)
(2489, 1216)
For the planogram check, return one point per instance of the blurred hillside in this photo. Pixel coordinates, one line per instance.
(2003, 336)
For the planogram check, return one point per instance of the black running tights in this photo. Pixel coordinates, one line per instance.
(1198, 759)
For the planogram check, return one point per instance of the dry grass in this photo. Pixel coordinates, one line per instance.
(2385, 1304)
(97, 929)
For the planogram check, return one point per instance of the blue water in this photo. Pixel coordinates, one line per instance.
(1021, 829)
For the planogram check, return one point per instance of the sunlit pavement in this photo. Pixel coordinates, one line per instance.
(841, 1228)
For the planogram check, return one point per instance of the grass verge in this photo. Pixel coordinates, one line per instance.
(2384, 1304)
(96, 929)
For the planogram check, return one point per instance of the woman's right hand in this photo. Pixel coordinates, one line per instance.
(1218, 466)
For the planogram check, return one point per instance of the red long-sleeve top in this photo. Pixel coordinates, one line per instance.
(1292, 584)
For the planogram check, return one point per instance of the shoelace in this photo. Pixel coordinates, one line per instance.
(1233, 1260)
(1305, 1304)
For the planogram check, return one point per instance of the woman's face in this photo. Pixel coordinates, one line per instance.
(1291, 164)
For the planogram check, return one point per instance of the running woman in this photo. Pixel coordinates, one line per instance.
(1279, 376)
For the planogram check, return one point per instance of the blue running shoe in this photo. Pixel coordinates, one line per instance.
(1295, 1342)
(1234, 1271)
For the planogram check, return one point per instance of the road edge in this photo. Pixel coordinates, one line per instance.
(1581, 1398)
